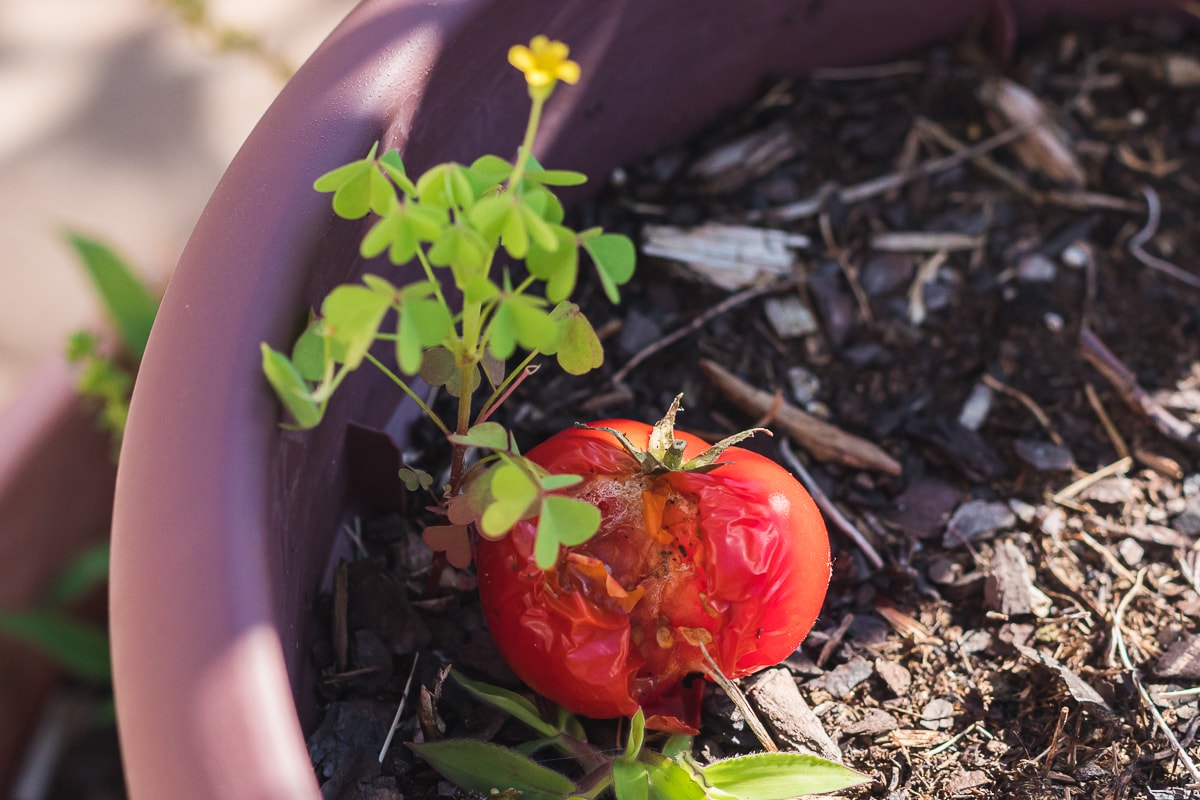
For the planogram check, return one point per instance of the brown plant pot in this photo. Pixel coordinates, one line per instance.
(224, 523)
(56, 484)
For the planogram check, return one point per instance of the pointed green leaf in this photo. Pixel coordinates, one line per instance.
(128, 302)
(483, 767)
(566, 521)
(80, 648)
(540, 231)
(352, 317)
(514, 704)
(489, 435)
(676, 745)
(394, 168)
(559, 177)
(614, 256)
(513, 492)
(637, 734)
(779, 776)
(83, 573)
(290, 388)
(670, 780)
(631, 781)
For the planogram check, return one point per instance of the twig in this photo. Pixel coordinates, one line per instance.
(828, 507)
(1029, 403)
(858, 192)
(729, 303)
(1153, 217)
(839, 254)
(1119, 641)
(826, 442)
(399, 710)
(946, 745)
(1118, 467)
(1052, 751)
(1114, 436)
(740, 700)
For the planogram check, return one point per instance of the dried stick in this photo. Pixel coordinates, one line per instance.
(1114, 436)
(387, 743)
(740, 700)
(1028, 402)
(828, 507)
(1118, 467)
(1136, 244)
(826, 442)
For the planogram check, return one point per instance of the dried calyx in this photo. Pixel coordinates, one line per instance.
(664, 453)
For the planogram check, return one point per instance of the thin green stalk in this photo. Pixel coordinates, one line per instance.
(408, 391)
(535, 118)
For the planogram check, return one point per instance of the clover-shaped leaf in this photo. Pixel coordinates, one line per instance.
(446, 185)
(309, 352)
(579, 349)
(559, 267)
(513, 492)
(453, 540)
(422, 322)
(489, 435)
(358, 187)
(415, 479)
(564, 521)
(520, 319)
(614, 256)
(401, 230)
(464, 250)
(440, 368)
(352, 316)
(512, 221)
(489, 172)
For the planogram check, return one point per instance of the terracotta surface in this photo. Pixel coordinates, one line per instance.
(223, 522)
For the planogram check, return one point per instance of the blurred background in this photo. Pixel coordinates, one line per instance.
(118, 118)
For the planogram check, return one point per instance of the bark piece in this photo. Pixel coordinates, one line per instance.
(1008, 588)
(824, 441)
(1080, 690)
(730, 257)
(975, 520)
(1181, 661)
(1047, 147)
(896, 676)
(794, 725)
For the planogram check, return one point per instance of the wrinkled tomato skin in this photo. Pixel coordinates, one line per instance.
(737, 558)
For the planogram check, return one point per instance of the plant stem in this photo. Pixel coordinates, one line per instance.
(408, 391)
(741, 701)
(535, 118)
(506, 388)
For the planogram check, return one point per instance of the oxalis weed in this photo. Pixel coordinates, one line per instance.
(464, 224)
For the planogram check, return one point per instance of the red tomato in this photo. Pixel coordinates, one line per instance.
(736, 558)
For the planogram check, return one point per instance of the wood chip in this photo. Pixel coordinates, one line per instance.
(1008, 588)
(1047, 148)
(1079, 689)
(824, 441)
(730, 257)
(895, 675)
(923, 242)
(916, 737)
(736, 163)
(793, 724)
(975, 520)
(1181, 661)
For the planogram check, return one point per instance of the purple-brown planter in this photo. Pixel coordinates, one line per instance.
(56, 483)
(224, 523)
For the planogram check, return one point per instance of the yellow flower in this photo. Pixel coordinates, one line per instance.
(543, 62)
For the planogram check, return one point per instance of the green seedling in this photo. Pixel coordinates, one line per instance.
(470, 227)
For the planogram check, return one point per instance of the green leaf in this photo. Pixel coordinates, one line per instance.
(358, 187)
(490, 435)
(490, 216)
(614, 256)
(83, 573)
(391, 164)
(291, 388)
(513, 492)
(539, 230)
(559, 267)
(558, 177)
(779, 776)
(670, 780)
(483, 767)
(439, 368)
(676, 745)
(566, 521)
(508, 701)
(352, 317)
(551, 483)
(401, 230)
(423, 322)
(489, 172)
(631, 781)
(637, 734)
(80, 648)
(415, 479)
(446, 186)
(128, 302)
(579, 348)
(464, 250)
(308, 353)
(520, 319)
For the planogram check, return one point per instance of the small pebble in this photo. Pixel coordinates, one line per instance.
(789, 317)
(1131, 552)
(1076, 255)
(938, 714)
(804, 383)
(1036, 268)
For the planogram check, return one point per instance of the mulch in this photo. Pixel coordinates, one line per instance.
(984, 282)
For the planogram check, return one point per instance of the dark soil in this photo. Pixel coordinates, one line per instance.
(1032, 362)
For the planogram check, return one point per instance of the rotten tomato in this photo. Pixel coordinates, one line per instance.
(697, 567)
